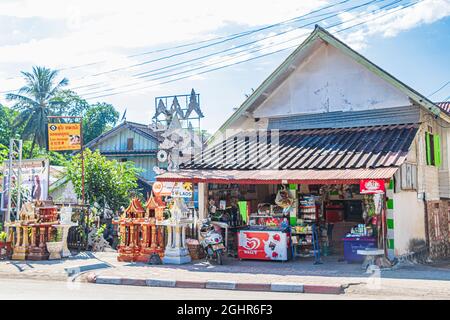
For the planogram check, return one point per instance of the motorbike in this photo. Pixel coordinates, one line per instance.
(212, 242)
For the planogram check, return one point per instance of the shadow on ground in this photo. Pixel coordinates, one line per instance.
(332, 266)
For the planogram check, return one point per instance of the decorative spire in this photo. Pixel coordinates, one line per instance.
(161, 109)
(175, 109)
(193, 106)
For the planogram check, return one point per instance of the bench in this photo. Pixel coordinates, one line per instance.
(370, 256)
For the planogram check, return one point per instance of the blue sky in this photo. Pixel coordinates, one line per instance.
(412, 43)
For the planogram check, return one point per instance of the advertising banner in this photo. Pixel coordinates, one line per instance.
(371, 186)
(34, 181)
(173, 189)
(64, 136)
(262, 245)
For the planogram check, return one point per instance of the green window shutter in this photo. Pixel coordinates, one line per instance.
(437, 150)
(428, 147)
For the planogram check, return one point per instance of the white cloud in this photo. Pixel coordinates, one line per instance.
(390, 25)
(103, 30)
(110, 30)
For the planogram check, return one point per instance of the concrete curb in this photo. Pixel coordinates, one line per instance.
(219, 285)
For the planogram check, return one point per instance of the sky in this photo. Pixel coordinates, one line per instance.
(129, 52)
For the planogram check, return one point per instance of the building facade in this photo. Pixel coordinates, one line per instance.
(340, 118)
(130, 141)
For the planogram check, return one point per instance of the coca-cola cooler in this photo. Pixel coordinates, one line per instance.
(263, 244)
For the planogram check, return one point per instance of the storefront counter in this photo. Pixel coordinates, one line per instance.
(353, 244)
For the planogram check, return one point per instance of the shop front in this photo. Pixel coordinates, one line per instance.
(268, 218)
(287, 194)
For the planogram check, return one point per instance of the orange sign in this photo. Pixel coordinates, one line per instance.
(64, 136)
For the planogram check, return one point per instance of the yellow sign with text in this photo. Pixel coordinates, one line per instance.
(64, 136)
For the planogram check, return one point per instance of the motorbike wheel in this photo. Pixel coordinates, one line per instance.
(219, 257)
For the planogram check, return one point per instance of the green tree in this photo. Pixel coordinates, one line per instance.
(99, 118)
(7, 128)
(107, 182)
(70, 104)
(35, 101)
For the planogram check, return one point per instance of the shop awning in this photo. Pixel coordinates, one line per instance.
(343, 176)
(310, 149)
(310, 156)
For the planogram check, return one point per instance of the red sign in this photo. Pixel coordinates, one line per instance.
(262, 245)
(370, 186)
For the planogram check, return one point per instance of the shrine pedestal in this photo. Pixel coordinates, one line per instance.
(176, 251)
(21, 245)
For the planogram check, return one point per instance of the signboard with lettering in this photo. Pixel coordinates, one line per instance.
(371, 186)
(173, 189)
(64, 136)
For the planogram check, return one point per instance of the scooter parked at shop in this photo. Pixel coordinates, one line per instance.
(212, 242)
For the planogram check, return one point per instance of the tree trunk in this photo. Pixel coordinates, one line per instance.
(32, 147)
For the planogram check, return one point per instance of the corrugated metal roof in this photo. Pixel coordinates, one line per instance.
(278, 176)
(311, 149)
(445, 106)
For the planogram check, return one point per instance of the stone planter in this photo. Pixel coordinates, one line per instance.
(54, 248)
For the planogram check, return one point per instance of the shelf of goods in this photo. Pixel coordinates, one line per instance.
(302, 234)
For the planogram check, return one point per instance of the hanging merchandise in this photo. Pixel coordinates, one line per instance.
(283, 199)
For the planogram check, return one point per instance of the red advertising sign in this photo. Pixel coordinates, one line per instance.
(370, 186)
(262, 245)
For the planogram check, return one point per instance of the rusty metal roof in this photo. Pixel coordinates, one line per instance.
(311, 149)
(345, 176)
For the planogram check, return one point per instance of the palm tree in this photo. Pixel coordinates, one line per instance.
(35, 101)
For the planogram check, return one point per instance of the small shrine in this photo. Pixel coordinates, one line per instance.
(41, 231)
(140, 234)
(176, 251)
(31, 231)
(129, 229)
(152, 234)
(18, 233)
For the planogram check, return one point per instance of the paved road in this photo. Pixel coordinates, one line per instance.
(33, 289)
(21, 289)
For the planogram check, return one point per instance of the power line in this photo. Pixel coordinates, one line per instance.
(239, 62)
(225, 39)
(152, 72)
(231, 58)
(185, 77)
(239, 34)
(432, 94)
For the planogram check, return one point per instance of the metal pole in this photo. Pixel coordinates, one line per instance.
(82, 162)
(8, 211)
(19, 179)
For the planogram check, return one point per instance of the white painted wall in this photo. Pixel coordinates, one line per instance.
(409, 220)
(330, 81)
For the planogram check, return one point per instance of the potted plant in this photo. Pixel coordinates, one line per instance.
(5, 246)
(55, 245)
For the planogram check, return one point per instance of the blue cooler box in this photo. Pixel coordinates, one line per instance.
(353, 244)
